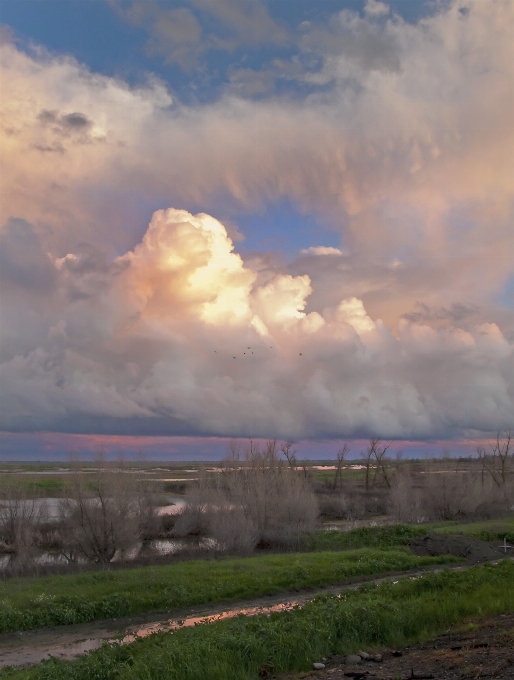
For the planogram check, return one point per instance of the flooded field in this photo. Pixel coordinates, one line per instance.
(48, 510)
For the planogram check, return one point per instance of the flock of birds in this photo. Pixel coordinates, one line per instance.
(249, 348)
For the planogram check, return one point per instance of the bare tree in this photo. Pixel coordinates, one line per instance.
(376, 452)
(496, 462)
(252, 450)
(340, 459)
(234, 450)
(290, 454)
(382, 463)
(368, 456)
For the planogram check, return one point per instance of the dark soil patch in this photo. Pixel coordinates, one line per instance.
(471, 651)
(469, 547)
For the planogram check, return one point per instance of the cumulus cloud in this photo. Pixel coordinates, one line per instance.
(177, 336)
(399, 137)
(321, 250)
(376, 8)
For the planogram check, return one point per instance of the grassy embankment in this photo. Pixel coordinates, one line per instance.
(239, 649)
(488, 530)
(383, 537)
(392, 535)
(328, 557)
(56, 600)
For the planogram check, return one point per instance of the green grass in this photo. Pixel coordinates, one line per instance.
(48, 601)
(489, 530)
(347, 474)
(238, 649)
(44, 485)
(393, 535)
(389, 536)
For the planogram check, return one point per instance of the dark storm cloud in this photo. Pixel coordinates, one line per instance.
(69, 122)
(458, 312)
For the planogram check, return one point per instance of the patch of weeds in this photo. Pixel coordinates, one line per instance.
(469, 627)
(389, 536)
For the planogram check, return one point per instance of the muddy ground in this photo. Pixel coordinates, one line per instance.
(468, 547)
(481, 649)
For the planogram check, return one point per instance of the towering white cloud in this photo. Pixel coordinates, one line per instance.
(185, 264)
(177, 336)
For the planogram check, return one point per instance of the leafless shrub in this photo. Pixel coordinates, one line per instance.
(148, 520)
(104, 513)
(19, 517)
(405, 499)
(336, 506)
(450, 496)
(277, 498)
(445, 495)
(497, 461)
(232, 528)
(195, 518)
(260, 500)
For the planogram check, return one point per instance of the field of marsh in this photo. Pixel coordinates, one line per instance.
(107, 541)
(260, 498)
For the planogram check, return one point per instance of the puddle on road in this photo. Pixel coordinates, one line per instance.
(21, 649)
(30, 655)
(175, 624)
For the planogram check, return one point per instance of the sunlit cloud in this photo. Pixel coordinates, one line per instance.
(175, 337)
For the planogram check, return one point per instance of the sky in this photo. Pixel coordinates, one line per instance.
(238, 218)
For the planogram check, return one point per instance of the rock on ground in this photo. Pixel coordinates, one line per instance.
(483, 649)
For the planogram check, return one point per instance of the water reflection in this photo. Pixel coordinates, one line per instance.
(46, 508)
(49, 510)
(174, 507)
(36, 646)
(161, 546)
(175, 624)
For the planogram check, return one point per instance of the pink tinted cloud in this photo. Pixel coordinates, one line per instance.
(52, 446)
